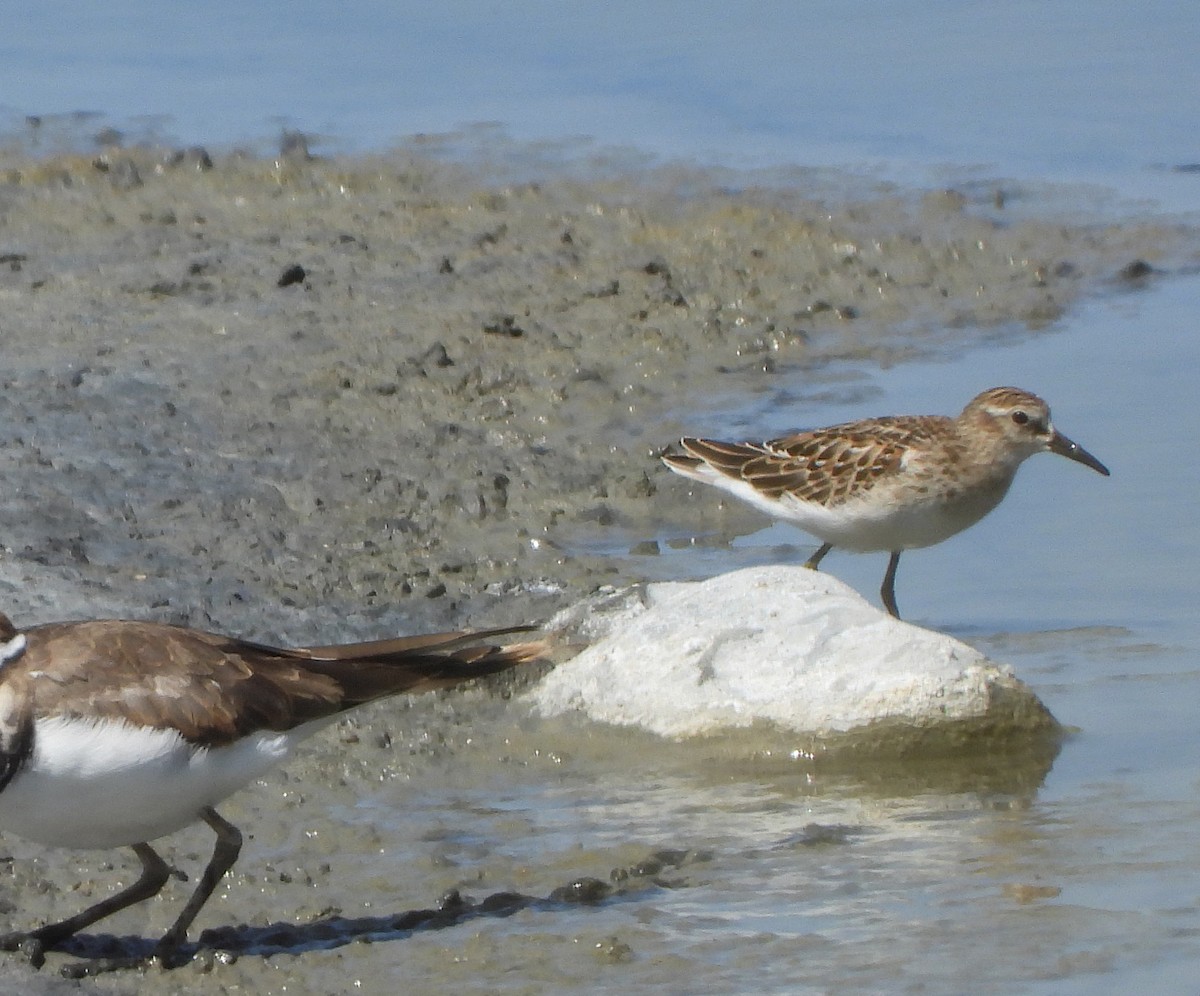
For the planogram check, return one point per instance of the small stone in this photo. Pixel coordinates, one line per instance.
(582, 890)
(294, 274)
(1135, 272)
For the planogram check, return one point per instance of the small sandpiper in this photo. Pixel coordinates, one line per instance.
(115, 733)
(894, 483)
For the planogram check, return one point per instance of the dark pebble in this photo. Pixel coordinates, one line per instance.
(294, 274)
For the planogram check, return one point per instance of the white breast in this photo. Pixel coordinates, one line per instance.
(107, 783)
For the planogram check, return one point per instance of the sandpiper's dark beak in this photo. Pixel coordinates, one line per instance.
(1061, 445)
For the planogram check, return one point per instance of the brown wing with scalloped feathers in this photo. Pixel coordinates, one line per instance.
(213, 689)
(824, 466)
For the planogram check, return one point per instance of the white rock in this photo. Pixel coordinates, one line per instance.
(781, 644)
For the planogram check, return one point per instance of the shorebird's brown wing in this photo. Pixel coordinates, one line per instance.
(212, 688)
(823, 466)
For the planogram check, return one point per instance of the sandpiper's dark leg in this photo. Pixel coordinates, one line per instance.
(888, 591)
(229, 845)
(815, 559)
(154, 876)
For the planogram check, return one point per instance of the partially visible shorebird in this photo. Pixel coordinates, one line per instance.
(895, 483)
(114, 733)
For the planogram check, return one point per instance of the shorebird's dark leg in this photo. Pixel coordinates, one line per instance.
(154, 876)
(815, 559)
(888, 591)
(229, 845)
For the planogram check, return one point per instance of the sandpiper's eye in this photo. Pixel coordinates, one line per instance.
(1020, 418)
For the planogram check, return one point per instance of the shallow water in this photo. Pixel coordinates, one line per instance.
(1068, 873)
(1087, 586)
(920, 91)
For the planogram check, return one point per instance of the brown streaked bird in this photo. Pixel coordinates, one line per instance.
(115, 733)
(895, 483)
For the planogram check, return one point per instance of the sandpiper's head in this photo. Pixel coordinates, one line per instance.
(1023, 421)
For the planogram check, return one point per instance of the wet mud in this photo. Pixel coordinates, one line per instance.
(306, 400)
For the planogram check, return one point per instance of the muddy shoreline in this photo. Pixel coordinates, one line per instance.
(461, 378)
(311, 400)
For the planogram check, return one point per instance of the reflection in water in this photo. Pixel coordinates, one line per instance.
(804, 857)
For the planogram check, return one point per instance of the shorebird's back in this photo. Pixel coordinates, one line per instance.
(213, 689)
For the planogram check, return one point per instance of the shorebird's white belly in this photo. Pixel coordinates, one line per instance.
(876, 521)
(866, 526)
(107, 783)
